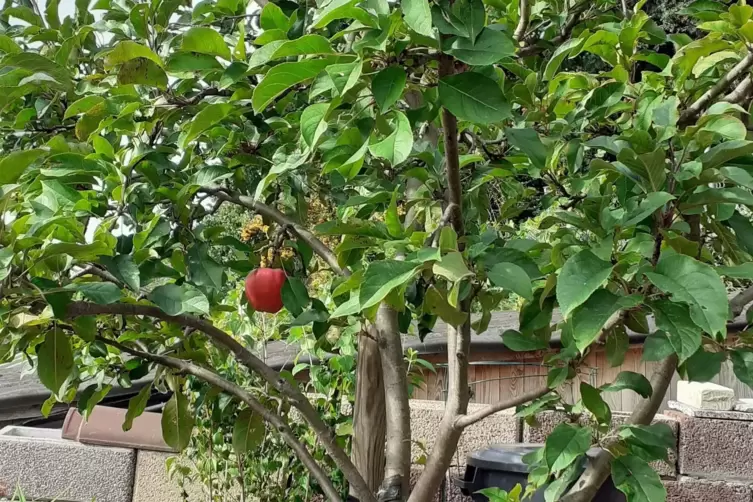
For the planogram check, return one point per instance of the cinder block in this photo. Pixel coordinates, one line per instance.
(47, 467)
(713, 448)
(692, 411)
(705, 395)
(449, 490)
(426, 416)
(744, 405)
(687, 489)
(152, 482)
(546, 422)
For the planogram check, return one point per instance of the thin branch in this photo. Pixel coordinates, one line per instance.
(691, 114)
(102, 274)
(396, 484)
(599, 467)
(534, 48)
(738, 303)
(433, 239)
(740, 93)
(279, 423)
(464, 421)
(525, 16)
(249, 360)
(300, 231)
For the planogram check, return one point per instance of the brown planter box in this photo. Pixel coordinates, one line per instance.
(105, 428)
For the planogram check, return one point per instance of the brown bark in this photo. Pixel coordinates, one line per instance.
(369, 415)
(397, 466)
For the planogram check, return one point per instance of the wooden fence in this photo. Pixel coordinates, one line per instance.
(496, 376)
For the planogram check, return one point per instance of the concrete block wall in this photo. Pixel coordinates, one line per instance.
(48, 467)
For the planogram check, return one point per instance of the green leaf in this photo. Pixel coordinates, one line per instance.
(126, 51)
(90, 397)
(102, 293)
(630, 380)
(724, 152)
(742, 365)
(523, 342)
(344, 76)
(471, 14)
(142, 71)
(743, 230)
(175, 300)
(594, 403)
(83, 105)
(13, 165)
(177, 422)
(557, 377)
(737, 175)
(565, 444)
(8, 46)
(581, 275)
(490, 47)
(381, 277)
(528, 142)
(558, 56)
(655, 435)
(617, 346)
(452, 267)
(392, 218)
(657, 347)
(734, 195)
(589, 318)
(436, 303)
(203, 270)
(206, 118)
(82, 252)
(704, 366)
(675, 320)
(344, 9)
(303, 46)
(123, 268)
(417, 16)
(282, 77)
(696, 284)
(646, 208)
(248, 430)
(273, 18)
(295, 296)
(637, 480)
(313, 122)
(54, 360)
(23, 13)
(473, 97)
(85, 327)
(649, 166)
(744, 271)
(512, 277)
(205, 41)
(388, 86)
(396, 147)
(136, 406)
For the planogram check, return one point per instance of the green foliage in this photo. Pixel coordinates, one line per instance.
(139, 140)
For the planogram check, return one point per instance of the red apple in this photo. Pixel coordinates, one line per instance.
(263, 289)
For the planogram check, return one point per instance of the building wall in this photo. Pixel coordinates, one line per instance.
(496, 376)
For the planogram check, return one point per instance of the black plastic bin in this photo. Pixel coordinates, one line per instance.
(502, 466)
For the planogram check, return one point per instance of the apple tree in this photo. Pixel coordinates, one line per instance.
(401, 152)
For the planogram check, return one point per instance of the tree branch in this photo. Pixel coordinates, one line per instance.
(433, 239)
(396, 483)
(599, 467)
(458, 337)
(691, 114)
(740, 93)
(102, 274)
(534, 48)
(279, 423)
(249, 360)
(273, 214)
(525, 16)
(738, 303)
(464, 421)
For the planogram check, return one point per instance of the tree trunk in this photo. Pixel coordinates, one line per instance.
(369, 415)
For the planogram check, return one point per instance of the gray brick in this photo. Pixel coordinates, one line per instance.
(687, 489)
